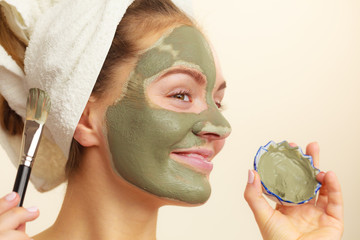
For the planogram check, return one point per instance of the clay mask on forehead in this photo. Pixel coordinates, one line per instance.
(142, 135)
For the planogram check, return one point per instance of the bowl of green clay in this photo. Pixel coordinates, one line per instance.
(287, 175)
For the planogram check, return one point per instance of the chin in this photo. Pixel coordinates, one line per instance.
(162, 194)
(187, 202)
(181, 194)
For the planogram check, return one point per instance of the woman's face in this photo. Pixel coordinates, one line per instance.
(166, 128)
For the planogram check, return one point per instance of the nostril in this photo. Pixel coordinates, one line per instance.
(208, 135)
(212, 135)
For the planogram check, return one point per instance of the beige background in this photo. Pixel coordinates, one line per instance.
(293, 73)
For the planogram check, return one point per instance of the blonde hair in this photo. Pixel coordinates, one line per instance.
(9, 120)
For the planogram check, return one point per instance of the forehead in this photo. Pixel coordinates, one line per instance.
(182, 46)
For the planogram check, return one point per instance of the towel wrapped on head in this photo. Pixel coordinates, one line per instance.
(67, 43)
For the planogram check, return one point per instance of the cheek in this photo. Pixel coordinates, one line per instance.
(140, 142)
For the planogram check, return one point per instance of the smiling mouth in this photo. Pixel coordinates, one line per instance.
(198, 160)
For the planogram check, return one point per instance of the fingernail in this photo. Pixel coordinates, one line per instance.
(10, 196)
(251, 177)
(32, 209)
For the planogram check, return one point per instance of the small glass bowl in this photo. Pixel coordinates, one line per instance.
(281, 149)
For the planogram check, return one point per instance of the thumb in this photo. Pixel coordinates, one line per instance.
(256, 201)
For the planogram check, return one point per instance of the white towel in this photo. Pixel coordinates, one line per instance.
(68, 41)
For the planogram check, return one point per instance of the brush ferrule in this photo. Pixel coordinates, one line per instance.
(27, 161)
(30, 142)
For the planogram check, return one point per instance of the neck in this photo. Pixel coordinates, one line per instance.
(100, 205)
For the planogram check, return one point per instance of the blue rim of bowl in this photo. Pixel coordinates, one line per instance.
(263, 149)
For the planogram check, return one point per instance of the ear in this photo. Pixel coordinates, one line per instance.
(87, 130)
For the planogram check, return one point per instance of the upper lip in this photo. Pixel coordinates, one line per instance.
(206, 153)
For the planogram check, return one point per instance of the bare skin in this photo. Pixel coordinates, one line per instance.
(13, 219)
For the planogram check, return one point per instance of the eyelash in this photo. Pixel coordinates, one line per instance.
(220, 105)
(181, 92)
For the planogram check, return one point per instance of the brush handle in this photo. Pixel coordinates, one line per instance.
(21, 182)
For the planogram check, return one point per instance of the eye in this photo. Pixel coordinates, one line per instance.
(182, 95)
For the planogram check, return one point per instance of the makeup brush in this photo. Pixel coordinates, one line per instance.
(37, 109)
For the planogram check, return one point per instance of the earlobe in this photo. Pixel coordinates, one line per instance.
(86, 132)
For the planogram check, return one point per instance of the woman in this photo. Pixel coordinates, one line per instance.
(146, 139)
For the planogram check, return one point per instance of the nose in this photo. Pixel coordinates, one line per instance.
(213, 126)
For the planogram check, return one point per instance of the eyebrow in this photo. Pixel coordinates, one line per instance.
(198, 76)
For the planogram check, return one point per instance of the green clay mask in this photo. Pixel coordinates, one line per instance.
(287, 173)
(142, 135)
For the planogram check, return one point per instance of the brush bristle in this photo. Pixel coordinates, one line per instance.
(38, 105)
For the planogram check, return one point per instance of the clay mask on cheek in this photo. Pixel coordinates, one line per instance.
(141, 136)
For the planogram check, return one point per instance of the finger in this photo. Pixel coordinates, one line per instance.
(255, 199)
(22, 227)
(14, 235)
(320, 177)
(293, 144)
(322, 197)
(313, 150)
(335, 201)
(278, 206)
(9, 201)
(13, 218)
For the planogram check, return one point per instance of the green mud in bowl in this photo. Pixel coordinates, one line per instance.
(287, 175)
